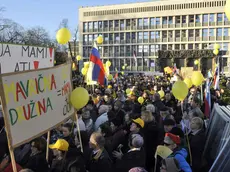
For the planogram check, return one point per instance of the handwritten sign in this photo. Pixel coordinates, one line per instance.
(14, 58)
(35, 101)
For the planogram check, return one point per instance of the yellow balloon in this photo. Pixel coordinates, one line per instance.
(217, 46)
(180, 90)
(110, 86)
(122, 73)
(108, 63)
(123, 67)
(79, 97)
(226, 9)
(100, 39)
(197, 78)
(63, 36)
(188, 82)
(78, 58)
(86, 65)
(55, 62)
(196, 62)
(140, 100)
(84, 71)
(128, 91)
(216, 51)
(110, 77)
(162, 93)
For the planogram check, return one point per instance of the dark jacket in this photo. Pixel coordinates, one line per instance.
(102, 164)
(197, 143)
(130, 160)
(150, 142)
(70, 140)
(38, 163)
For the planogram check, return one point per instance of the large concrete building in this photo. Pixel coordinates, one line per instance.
(141, 29)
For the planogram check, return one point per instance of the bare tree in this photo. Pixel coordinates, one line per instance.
(37, 36)
(11, 32)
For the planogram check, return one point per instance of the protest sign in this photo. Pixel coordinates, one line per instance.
(186, 72)
(14, 58)
(35, 101)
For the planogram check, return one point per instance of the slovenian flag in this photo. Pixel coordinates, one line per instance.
(207, 99)
(96, 68)
(216, 78)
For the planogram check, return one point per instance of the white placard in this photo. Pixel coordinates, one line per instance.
(14, 58)
(35, 101)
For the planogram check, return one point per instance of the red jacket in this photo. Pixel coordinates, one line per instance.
(9, 168)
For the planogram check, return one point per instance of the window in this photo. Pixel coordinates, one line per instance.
(225, 31)
(146, 48)
(170, 20)
(122, 36)
(164, 20)
(122, 24)
(95, 25)
(152, 48)
(105, 24)
(177, 19)
(110, 24)
(95, 36)
(158, 21)
(197, 33)
(90, 38)
(146, 35)
(140, 48)
(85, 39)
(211, 32)
(182, 47)
(140, 35)
(184, 19)
(191, 18)
(190, 46)
(211, 18)
(152, 21)
(140, 22)
(133, 35)
(204, 32)
(177, 46)
(152, 35)
(117, 38)
(205, 18)
(157, 34)
(127, 36)
(198, 16)
(85, 27)
(170, 33)
(127, 22)
(111, 37)
(106, 37)
(100, 24)
(225, 46)
(164, 34)
(219, 17)
(146, 22)
(183, 33)
(116, 23)
(169, 46)
(219, 32)
(197, 46)
(90, 25)
(157, 48)
(190, 33)
(164, 47)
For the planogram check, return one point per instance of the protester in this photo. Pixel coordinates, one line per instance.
(170, 165)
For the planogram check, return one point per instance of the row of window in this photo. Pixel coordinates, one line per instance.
(191, 33)
(94, 26)
(184, 6)
(147, 50)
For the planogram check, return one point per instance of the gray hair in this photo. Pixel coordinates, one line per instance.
(198, 121)
(137, 140)
(151, 108)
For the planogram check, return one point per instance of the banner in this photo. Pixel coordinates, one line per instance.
(14, 58)
(35, 101)
(186, 72)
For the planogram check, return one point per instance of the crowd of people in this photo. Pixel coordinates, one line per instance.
(119, 134)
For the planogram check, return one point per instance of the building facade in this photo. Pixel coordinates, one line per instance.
(142, 29)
